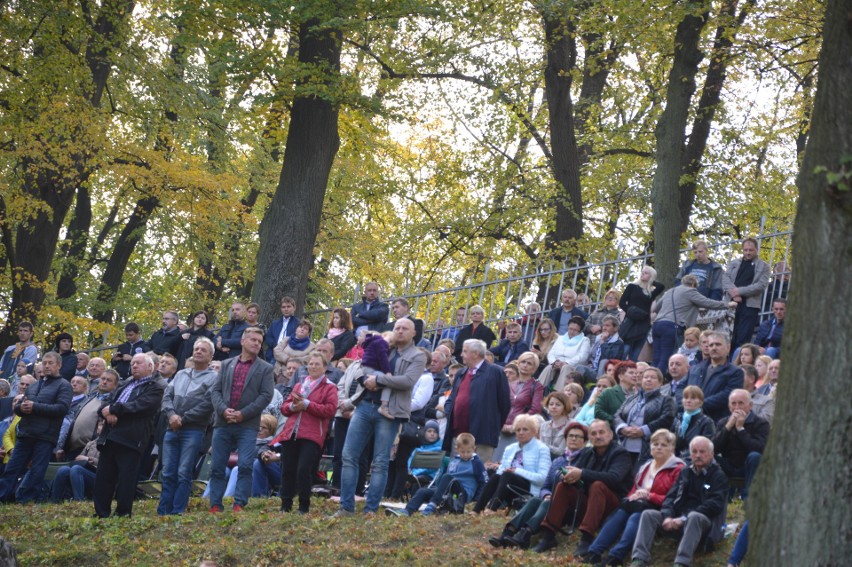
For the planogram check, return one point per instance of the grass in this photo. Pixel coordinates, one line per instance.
(47, 534)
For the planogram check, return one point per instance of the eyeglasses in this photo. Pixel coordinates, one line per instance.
(575, 437)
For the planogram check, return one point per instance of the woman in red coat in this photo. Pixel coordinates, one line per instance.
(649, 490)
(309, 409)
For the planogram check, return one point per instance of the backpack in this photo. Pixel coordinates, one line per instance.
(454, 499)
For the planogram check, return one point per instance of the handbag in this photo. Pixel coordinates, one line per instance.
(635, 506)
(411, 432)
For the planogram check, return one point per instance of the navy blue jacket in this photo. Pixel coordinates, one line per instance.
(232, 334)
(162, 342)
(504, 347)
(555, 315)
(69, 365)
(374, 315)
(51, 397)
(489, 405)
(717, 388)
(274, 331)
(763, 337)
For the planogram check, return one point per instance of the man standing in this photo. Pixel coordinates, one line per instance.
(678, 380)
(407, 364)
(42, 409)
(167, 339)
(188, 410)
(229, 339)
(130, 414)
(694, 507)
(771, 331)
(24, 350)
(371, 313)
(740, 439)
(134, 344)
(453, 332)
(402, 310)
(708, 273)
(479, 402)
(82, 365)
(242, 390)
(562, 314)
(511, 347)
(744, 281)
(716, 377)
(282, 328)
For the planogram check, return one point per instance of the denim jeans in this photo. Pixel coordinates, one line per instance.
(367, 421)
(225, 439)
(622, 523)
(26, 449)
(264, 477)
(665, 343)
(74, 478)
(738, 553)
(747, 471)
(180, 454)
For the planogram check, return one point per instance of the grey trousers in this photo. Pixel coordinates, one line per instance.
(697, 524)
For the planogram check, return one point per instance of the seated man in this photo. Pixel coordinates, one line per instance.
(594, 487)
(607, 346)
(771, 331)
(740, 439)
(694, 508)
(511, 347)
(716, 376)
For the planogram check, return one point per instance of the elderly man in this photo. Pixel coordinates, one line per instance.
(607, 346)
(693, 508)
(677, 375)
(740, 439)
(511, 347)
(188, 410)
(562, 314)
(96, 368)
(594, 487)
(332, 373)
(82, 429)
(407, 364)
(129, 414)
(42, 409)
(744, 280)
(229, 338)
(244, 387)
(371, 313)
(82, 364)
(771, 332)
(167, 338)
(479, 402)
(79, 396)
(716, 377)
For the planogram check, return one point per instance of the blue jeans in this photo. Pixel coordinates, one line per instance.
(531, 515)
(26, 450)
(665, 343)
(367, 422)
(264, 476)
(746, 471)
(622, 523)
(225, 439)
(77, 477)
(738, 553)
(180, 454)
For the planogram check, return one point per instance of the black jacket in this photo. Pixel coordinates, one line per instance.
(123, 366)
(706, 493)
(659, 412)
(162, 342)
(483, 333)
(736, 445)
(637, 312)
(700, 424)
(136, 416)
(613, 468)
(186, 345)
(51, 397)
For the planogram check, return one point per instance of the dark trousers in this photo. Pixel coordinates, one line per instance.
(745, 320)
(398, 473)
(116, 477)
(500, 490)
(34, 452)
(593, 507)
(299, 460)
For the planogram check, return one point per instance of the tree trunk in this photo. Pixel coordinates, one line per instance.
(75, 245)
(800, 510)
(669, 134)
(290, 227)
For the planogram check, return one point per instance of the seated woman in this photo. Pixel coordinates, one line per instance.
(340, 333)
(762, 365)
(552, 432)
(525, 396)
(649, 490)
(586, 414)
(527, 521)
(692, 422)
(569, 350)
(78, 478)
(545, 336)
(298, 347)
(691, 347)
(643, 413)
(747, 354)
(523, 468)
(266, 470)
(575, 394)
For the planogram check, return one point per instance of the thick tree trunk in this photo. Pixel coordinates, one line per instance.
(800, 512)
(75, 245)
(290, 227)
(669, 134)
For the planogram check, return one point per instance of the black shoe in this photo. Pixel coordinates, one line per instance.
(520, 539)
(613, 562)
(583, 547)
(546, 543)
(503, 540)
(591, 558)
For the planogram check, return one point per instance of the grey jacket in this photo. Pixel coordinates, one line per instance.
(753, 292)
(687, 300)
(409, 368)
(344, 402)
(256, 395)
(188, 396)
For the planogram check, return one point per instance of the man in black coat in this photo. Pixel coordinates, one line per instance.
(167, 339)
(740, 439)
(130, 414)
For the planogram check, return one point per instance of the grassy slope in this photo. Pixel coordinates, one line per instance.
(68, 535)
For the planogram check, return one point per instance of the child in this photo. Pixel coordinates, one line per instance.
(690, 346)
(466, 471)
(552, 432)
(432, 442)
(375, 359)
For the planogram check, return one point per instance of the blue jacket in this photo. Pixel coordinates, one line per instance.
(232, 334)
(274, 331)
(471, 474)
(765, 339)
(51, 397)
(490, 404)
(372, 314)
(717, 388)
(505, 347)
(536, 463)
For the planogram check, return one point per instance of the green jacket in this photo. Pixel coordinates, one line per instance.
(607, 404)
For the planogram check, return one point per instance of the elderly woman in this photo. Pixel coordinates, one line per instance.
(569, 351)
(678, 308)
(527, 521)
(609, 307)
(476, 330)
(692, 422)
(636, 302)
(652, 483)
(523, 468)
(641, 414)
(298, 347)
(340, 333)
(525, 395)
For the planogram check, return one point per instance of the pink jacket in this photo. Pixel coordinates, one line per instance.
(313, 422)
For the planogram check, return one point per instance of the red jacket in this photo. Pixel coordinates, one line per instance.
(666, 477)
(313, 422)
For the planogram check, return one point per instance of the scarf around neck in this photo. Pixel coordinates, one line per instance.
(298, 344)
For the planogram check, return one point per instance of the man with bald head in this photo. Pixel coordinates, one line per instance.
(740, 439)
(677, 375)
(129, 414)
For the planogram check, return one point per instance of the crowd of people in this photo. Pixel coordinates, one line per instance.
(615, 424)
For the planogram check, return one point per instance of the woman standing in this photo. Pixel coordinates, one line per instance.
(298, 347)
(476, 330)
(641, 414)
(198, 328)
(636, 303)
(309, 409)
(525, 395)
(340, 333)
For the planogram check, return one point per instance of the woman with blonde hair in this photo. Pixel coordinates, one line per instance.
(636, 303)
(545, 336)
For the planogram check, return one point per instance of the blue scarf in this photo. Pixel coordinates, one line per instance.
(298, 344)
(687, 416)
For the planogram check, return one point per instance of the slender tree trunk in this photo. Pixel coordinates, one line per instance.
(802, 496)
(75, 245)
(669, 134)
(290, 227)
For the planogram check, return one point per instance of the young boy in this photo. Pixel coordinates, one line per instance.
(431, 442)
(466, 470)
